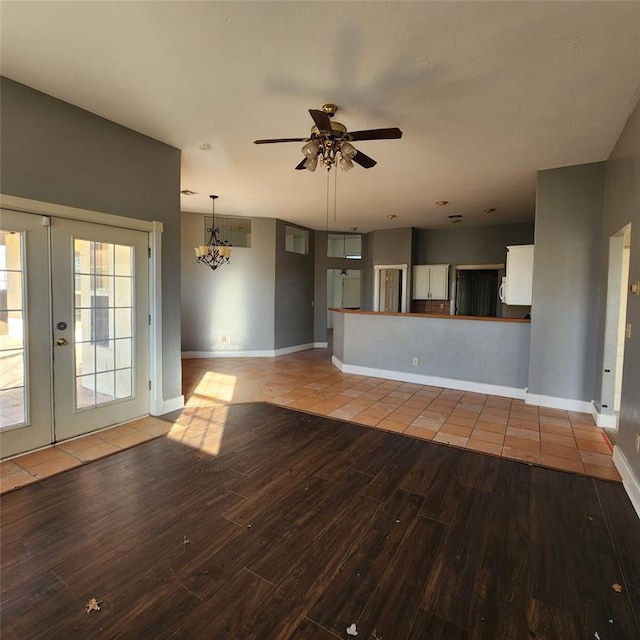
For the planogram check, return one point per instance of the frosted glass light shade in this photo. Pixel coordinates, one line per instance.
(311, 149)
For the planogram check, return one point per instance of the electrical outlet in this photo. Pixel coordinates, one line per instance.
(628, 330)
(223, 339)
(415, 361)
(637, 442)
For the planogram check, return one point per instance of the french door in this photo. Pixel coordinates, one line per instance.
(76, 326)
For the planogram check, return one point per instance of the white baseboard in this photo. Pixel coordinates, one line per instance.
(604, 420)
(299, 347)
(434, 381)
(629, 480)
(168, 405)
(558, 403)
(261, 353)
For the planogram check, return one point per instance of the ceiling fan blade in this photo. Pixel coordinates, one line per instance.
(280, 140)
(376, 134)
(301, 165)
(322, 120)
(364, 160)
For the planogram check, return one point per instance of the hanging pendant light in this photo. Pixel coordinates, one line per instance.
(216, 252)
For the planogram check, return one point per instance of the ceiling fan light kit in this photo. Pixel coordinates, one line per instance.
(330, 142)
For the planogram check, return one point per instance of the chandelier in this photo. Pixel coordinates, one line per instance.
(216, 252)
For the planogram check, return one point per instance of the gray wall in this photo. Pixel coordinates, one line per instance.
(231, 308)
(390, 247)
(393, 246)
(54, 152)
(621, 206)
(366, 275)
(566, 279)
(488, 352)
(476, 245)
(294, 280)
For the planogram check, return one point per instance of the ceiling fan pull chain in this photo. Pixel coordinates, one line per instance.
(328, 169)
(335, 196)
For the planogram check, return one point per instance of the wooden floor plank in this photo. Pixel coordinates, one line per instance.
(624, 528)
(455, 582)
(291, 541)
(428, 625)
(343, 600)
(394, 606)
(311, 631)
(568, 503)
(390, 477)
(278, 617)
(224, 613)
(297, 526)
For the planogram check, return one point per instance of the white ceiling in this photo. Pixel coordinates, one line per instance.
(486, 93)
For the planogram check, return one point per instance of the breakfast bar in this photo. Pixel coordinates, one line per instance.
(486, 355)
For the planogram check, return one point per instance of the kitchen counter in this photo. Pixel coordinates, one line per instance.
(487, 355)
(433, 315)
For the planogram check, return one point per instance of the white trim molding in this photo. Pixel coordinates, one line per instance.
(629, 480)
(261, 353)
(435, 381)
(404, 285)
(558, 403)
(172, 404)
(157, 404)
(604, 420)
(27, 205)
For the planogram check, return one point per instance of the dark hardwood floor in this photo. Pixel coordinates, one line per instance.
(302, 526)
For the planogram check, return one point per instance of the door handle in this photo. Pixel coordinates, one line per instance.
(62, 342)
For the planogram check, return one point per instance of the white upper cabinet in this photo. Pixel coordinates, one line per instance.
(431, 282)
(517, 287)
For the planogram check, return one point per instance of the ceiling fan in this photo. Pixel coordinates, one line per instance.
(330, 142)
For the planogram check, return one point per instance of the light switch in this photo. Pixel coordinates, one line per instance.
(635, 287)
(627, 330)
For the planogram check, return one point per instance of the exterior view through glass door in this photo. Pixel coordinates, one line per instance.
(74, 356)
(25, 334)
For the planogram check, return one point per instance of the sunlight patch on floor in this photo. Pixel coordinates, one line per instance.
(212, 388)
(202, 430)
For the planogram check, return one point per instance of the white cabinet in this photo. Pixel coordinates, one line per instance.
(517, 286)
(431, 282)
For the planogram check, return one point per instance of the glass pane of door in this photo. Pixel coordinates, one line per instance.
(100, 326)
(13, 406)
(25, 333)
(103, 309)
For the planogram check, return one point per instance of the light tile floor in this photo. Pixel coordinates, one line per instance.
(309, 382)
(31, 467)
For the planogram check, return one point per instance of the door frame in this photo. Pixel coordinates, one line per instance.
(453, 279)
(154, 230)
(615, 300)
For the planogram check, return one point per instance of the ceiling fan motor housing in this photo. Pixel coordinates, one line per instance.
(337, 129)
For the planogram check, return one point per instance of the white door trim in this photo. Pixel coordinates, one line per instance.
(157, 404)
(26, 205)
(376, 284)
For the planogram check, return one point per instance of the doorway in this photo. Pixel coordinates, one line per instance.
(390, 288)
(343, 291)
(477, 292)
(615, 325)
(74, 329)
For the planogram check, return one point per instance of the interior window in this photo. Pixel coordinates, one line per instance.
(342, 245)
